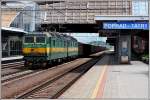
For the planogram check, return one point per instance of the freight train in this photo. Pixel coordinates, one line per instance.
(85, 50)
(48, 48)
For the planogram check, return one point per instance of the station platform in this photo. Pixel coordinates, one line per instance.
(11, 59)
(106, 79)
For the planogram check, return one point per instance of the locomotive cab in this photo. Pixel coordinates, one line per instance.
(34, 49)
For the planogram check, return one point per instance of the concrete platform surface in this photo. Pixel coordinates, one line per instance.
(109, 80)
(12, 58)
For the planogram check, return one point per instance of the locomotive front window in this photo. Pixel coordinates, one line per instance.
(40, 39)
(29, 40)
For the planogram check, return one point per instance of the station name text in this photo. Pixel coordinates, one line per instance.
(125, 25)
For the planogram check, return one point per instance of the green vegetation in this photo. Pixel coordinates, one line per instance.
(145, 57)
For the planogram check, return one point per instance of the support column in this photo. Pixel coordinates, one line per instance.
(116, 48)
(9, 47)
(124, 45)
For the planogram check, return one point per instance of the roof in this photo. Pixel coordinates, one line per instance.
(54, 34)
(121, 17)
(13, 29)
(8, 17)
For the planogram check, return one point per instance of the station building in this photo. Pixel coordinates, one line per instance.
(18, 18)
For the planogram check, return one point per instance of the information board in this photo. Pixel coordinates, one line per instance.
(126, 25)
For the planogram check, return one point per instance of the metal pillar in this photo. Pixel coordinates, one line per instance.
(0, 39)
(9, 47)
(124, 48)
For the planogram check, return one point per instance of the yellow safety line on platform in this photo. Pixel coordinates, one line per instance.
(99, 81)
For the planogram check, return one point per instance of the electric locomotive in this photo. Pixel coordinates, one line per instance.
(42, 48)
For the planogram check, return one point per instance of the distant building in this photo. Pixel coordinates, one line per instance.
(17, 19)
(21, 15)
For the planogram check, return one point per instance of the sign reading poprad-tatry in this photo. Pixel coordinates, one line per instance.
(126, 25)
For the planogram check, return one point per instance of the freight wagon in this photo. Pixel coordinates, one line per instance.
(87, 49)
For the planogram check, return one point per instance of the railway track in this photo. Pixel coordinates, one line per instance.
(19, 87)
(53, 88)
(17, 75)
(12, 68)
(13, 65)
(11, 72)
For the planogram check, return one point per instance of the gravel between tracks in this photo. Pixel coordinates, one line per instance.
(13, 88)
(16, 75)
(57, 87)
(14, 64)
(11, 68)
(8, 71)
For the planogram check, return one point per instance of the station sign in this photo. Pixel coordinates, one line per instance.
(126, 25)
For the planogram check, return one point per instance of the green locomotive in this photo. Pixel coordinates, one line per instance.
(46, 48)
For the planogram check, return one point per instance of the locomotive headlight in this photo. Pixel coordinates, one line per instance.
(30, 63)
